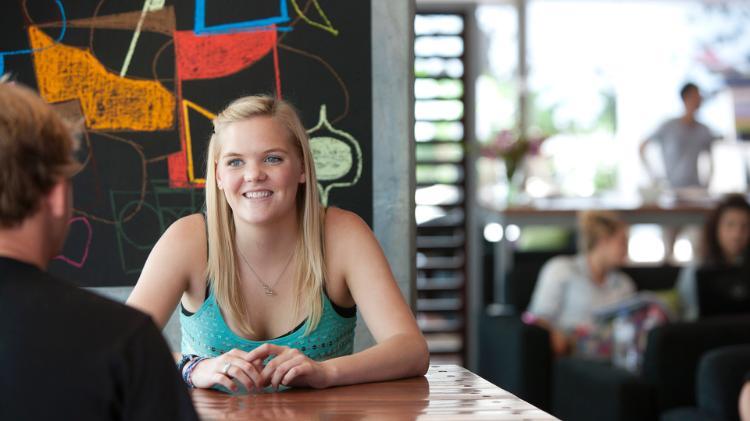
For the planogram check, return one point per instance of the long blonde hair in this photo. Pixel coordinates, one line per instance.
(223, 269)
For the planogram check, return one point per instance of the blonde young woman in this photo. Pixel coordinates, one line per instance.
(269, 281)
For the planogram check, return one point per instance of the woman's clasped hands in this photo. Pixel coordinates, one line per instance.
(268, 365)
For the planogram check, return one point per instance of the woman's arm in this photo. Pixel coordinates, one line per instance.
(547, 300)
(559, 341)
(400, 350)
(175, 258)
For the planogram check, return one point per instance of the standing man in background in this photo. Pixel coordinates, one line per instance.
(65, 353)
(682, 140)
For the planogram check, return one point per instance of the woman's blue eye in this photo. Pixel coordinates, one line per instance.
(273, 159)
(236, 162)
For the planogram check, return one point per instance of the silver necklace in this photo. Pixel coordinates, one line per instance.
(268, 289)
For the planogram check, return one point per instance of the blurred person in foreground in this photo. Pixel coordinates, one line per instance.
(65, 353)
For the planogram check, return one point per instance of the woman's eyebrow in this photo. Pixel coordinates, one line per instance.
(282, 150)
(230, 154)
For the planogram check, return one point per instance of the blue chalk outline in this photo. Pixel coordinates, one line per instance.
(200, 21)
(31, 50)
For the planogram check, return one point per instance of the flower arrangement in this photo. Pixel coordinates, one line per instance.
(512, 148)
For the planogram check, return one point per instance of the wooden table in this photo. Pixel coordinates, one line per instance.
(447, 392)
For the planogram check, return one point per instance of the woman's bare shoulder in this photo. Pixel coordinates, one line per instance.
(187, 233)
(345, 233)
(189, 225)
(341, 221)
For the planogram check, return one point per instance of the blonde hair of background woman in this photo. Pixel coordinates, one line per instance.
(222, 270)
(596, 225)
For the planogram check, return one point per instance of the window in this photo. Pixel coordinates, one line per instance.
(440, 200)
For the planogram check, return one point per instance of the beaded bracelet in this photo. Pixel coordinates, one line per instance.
(186, 358)
(189, 371)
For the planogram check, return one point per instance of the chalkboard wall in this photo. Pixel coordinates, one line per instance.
(147, 76)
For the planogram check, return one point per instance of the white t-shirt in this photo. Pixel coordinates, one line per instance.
(566, 296)
(681, 145)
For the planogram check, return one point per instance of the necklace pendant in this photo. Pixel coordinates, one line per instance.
(269, 292)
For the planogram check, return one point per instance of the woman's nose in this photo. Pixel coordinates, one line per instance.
(254, 172)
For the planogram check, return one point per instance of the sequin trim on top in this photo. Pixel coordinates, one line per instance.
(206, 333)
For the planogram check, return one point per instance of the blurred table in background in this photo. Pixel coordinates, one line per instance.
(446, 392)
(562, 211)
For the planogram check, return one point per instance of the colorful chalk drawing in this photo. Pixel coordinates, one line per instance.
(85, 253)
(142, 133)
(335, 153)
(109, 102)
(167, 205)
(326, 27)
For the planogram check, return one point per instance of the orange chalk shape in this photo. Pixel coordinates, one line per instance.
(213, 56)
(109, 102)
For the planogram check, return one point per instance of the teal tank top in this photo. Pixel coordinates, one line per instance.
(207, 334)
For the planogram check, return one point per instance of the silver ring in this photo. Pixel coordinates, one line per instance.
(225, 369)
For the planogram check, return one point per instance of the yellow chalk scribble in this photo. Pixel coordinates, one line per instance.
(186, 106)
(326, 26)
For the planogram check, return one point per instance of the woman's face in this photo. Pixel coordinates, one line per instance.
(733, 232)
(615, 247)
(259, 170)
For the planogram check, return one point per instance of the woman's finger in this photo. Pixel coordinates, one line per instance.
(223, 380)
(247, 370)
(279, 359)
(296, 372)
(258, 364)
(283, 368)
(236, 373)
(238, 353)
(264, 351)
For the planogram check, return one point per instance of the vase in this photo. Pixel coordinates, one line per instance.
(515, 181)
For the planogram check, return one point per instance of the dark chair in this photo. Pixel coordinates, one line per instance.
(514, 355)
(719, 379)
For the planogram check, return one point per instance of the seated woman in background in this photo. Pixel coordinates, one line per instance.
(725, 243)
(571, 288)
(269, 281)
